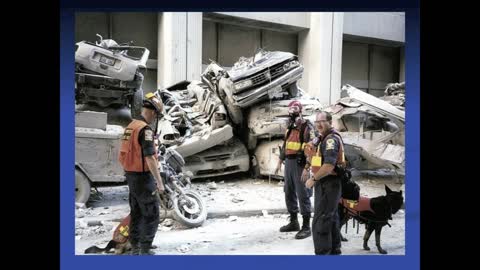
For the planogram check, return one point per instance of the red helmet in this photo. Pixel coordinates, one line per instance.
(295, 107)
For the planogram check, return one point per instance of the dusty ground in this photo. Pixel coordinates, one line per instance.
(234, 235)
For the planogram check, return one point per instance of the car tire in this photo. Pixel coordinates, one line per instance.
(82, 187)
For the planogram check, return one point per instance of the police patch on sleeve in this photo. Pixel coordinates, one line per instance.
(330, 144)
(148, 135)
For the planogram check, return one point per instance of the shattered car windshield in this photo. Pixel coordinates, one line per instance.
(244, 63)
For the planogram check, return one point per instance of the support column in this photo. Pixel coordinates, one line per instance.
(179, 47)
(320, 51)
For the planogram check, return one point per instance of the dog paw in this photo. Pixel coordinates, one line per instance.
(344, 239)
(382, 251)
(366, 247)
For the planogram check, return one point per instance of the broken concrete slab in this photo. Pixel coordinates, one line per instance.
(212, 185)
(203, 140)
(373, 102)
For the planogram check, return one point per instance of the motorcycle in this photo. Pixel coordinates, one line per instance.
(186, 205)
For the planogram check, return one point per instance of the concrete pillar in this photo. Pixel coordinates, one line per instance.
(179, 47)
(320, 51)
(194, 45)
(401, 76)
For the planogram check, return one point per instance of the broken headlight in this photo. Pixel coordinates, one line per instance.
(291, 64)
(243, 84)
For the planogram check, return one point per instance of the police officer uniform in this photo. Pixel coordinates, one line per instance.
(325, 225)
(137, 143)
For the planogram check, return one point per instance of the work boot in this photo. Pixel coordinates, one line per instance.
(305, 231)
(146, 251)
(135, 249)
(322, 252)
(293, 226)
(336, 251)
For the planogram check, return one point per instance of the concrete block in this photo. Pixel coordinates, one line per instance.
(89, 119)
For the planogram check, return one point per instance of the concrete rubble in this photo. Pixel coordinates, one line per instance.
(372, 129)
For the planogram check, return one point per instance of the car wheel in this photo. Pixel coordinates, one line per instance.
(82, 187)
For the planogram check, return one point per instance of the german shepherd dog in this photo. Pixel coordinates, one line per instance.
(119, 248)
(374, 212)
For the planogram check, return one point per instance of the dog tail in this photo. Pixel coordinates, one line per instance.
(95, 249)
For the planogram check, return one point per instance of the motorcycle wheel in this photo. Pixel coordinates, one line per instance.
(191, 212)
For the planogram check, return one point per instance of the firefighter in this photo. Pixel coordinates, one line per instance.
(139, 160)
(299, 132)
(327, 154)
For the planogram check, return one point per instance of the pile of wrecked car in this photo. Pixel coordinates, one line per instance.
(234, 119)
(226, 122)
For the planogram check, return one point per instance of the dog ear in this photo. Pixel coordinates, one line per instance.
(387, 189)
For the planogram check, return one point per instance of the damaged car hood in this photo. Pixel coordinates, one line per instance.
(245, 67)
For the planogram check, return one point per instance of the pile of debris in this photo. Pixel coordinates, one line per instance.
(395, 95)
(212, 122)
(372, 129)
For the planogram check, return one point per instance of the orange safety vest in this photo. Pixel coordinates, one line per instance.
(293, 143)
(130, 155)
(316, 161)
(354, 207)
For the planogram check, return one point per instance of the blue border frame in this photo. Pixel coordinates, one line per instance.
(411, 259)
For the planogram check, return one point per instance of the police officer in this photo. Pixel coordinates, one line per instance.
(329, 154)
(299, 132)
(139, 160)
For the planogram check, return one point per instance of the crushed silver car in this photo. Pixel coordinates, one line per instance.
(230, 157)
(110, 75)
(266, 75)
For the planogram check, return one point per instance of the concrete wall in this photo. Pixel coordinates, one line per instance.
(209, 42)
(226, 43)
(235, 41)
(370, 67)
(320, 51)
(280, 41)
(355, 64)
(377, 25)
(402, 65)
(295, 21)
